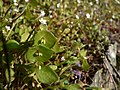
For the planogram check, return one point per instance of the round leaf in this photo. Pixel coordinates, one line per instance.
(39, 53)
(46, 38)
(12, 44)
(46, 75)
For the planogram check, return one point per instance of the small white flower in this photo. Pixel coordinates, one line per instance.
(113, 16)
(26, 0)
(58, 5)
(7, 27)
(88, 15)
(78, 1)
(71, 22)
(63, 58)
(65, 5)
(39, 67)
(43, 21)
(97, 1)
(50, 11)
(14, 1)
(33, 84)
(77, 17)
(91, 3)
(51, 16)
(42, 13)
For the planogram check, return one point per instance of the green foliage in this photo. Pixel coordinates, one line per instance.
(46, 75)
(39, 53)
(54, 45)
(45, 38)
(12, 45)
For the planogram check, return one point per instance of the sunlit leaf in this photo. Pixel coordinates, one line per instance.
(11, 74)
(46, 38)
(30, 53)
(28, 14)
(85, 65)
(53, 67)
(24, 37)
(45, 53)
(43, 27)
(1, 3)
(56, 48)
(46, 75)
(83, 53)
(39, 53)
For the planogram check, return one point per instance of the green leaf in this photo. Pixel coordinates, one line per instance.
(45, 53)
(1, 3)
(72, 87)
(56, 48)
(12, 44)
(46, 75)
(53, 67)
(45, 38)
(85, 65)
(21, 31)
(24, 37)
(39, 53)
(1, 46)
(30, 53)
(28, 13)
(83, 53)
(43, 27)
(11, 74)
(33, 3)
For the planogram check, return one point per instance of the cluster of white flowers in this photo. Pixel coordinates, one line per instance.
(43, 21)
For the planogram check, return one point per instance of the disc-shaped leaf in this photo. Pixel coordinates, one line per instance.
(46, 38)
(44, 53)
(12, 44)
(46, 75)
(39, 53)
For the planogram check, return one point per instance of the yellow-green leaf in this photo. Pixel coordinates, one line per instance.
(46, 75)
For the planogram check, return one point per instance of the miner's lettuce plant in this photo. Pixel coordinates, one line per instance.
(51, 45)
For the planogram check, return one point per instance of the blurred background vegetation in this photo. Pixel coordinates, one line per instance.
(59, 44)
